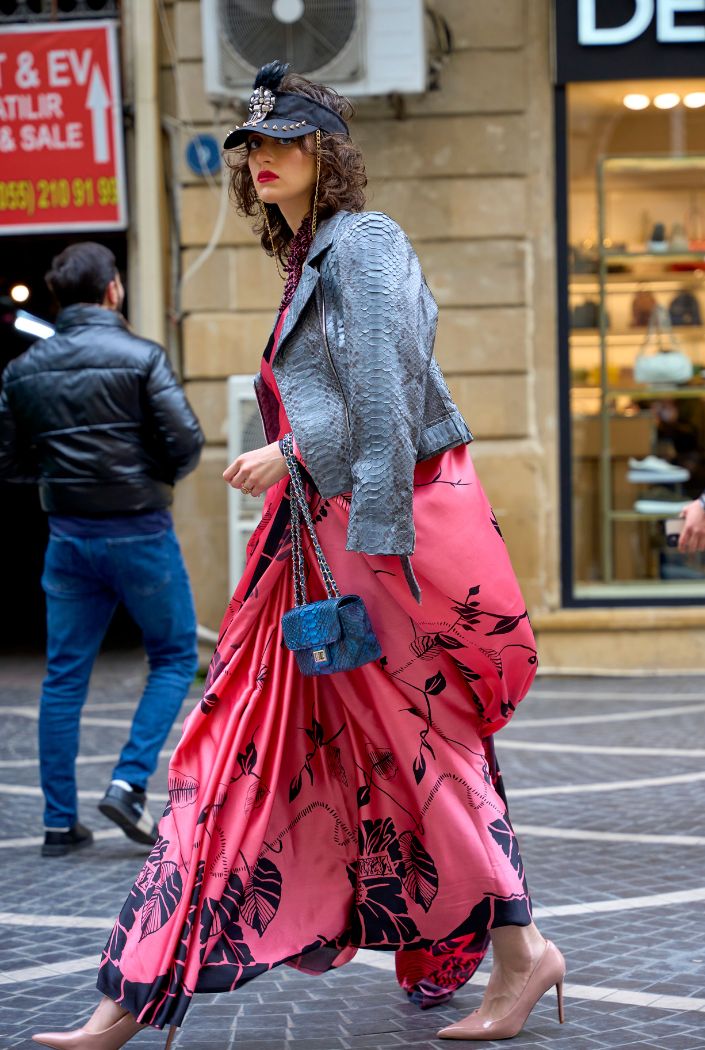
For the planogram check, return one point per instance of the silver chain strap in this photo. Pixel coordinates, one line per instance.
(299, 510)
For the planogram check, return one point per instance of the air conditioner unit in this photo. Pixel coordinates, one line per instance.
(359, 47)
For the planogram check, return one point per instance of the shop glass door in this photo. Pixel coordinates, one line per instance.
(636, 334)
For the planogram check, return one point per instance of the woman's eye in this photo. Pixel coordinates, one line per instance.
(253, 144)
(287, 142)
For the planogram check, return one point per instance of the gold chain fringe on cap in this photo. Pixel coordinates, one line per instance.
(314, 215)
(263, 209)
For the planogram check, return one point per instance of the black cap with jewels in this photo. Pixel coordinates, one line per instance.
(283, 114)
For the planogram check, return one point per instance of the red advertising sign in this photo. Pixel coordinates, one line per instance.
(61, 155)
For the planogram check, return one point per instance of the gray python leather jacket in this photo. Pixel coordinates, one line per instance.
(355, 369)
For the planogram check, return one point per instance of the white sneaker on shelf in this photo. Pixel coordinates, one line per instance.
(672, 476)
(650, 463)
(668, 508)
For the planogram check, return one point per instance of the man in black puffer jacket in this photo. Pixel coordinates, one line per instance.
(97, 417)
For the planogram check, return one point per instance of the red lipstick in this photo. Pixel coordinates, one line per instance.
(267, 176)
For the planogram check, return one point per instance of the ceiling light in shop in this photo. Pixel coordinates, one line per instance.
(19, 293)
(668, 100)
(636, 101)
(31, 325)
(695, 100)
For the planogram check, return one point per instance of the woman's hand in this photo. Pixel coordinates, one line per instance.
(693, 535)
(254, 472)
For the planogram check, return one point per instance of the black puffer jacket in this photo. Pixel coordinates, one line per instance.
(98, 417)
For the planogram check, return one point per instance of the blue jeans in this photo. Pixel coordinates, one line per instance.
(83, 580)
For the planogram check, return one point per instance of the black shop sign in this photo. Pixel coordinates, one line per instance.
(628, 39)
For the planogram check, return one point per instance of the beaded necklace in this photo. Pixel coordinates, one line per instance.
(298, 250)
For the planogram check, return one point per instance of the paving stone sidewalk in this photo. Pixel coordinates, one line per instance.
(606, 781)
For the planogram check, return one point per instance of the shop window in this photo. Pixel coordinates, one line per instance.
(636, 334)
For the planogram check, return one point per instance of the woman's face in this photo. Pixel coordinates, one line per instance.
(282, 173)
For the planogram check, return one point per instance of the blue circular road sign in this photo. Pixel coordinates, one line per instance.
(203, 155)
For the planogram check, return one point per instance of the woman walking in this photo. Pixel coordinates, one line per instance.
(313, 815)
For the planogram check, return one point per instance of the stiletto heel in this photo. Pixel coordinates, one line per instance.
(170, 1037)
(112, 1038)
(549, 971)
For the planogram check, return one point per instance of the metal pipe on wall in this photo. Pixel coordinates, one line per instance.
(147, 284)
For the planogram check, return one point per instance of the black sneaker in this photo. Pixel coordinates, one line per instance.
(128, 809)
(59, 843)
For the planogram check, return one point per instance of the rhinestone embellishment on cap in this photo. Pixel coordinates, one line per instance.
(262, 102)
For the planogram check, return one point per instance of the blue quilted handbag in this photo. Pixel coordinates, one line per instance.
(334, 634)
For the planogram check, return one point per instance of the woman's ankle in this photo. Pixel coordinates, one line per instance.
(105, 1014)
(517, 948)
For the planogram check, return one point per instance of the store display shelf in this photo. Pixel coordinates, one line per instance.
(654, 163)
(638, 393)
(634, 515)
(641, 589)
(672, 257)
(625, 283)
(633, 335)
(655, 393)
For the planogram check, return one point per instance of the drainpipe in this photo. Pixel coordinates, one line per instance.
(147, 287)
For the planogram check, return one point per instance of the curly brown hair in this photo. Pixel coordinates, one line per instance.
(342, 182)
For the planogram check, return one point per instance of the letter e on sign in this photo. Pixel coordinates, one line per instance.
(58, 69)
(668, 32)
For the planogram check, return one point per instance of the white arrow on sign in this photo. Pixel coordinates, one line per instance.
(98, 101)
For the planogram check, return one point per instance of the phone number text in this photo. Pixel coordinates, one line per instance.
(29, 197)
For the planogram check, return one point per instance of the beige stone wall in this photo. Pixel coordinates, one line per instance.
(468, 173)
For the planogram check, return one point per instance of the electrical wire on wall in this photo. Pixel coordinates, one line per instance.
(441, 46)
(186, 122)
(215, 185)
(173, 128)
(216, 234)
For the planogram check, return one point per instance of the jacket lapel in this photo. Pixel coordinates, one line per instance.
(304, 291)
(309, 275)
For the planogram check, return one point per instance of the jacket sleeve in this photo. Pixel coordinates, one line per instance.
(381, 284)
(176, 430)
(15, 457)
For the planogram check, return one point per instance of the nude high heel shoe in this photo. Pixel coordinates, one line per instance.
(549, 970)
(111, 1039)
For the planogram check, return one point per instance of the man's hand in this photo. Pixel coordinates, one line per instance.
(693, 535)
(254, 472)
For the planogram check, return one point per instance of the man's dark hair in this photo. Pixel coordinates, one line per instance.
(81, 273)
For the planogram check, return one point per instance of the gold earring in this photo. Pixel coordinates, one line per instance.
(263, 209)
(318, 178)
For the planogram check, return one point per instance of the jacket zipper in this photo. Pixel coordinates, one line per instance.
(330, 359)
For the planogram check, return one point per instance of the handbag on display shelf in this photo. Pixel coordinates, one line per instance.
(685, 309)
(585, 315)
(696, 226)
(330, 635)
(669, 366)
(643, 306)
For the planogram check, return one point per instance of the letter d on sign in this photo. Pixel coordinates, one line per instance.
(590, 34)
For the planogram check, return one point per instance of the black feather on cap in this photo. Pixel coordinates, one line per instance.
(271, 75)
